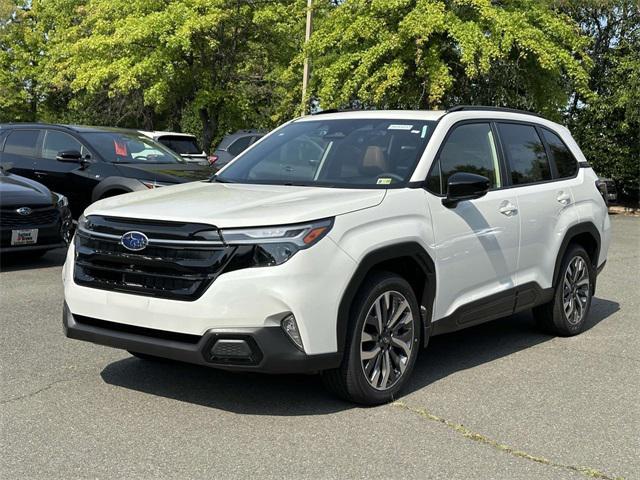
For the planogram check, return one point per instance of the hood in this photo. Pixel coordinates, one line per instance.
(167, 172)
(228, 205)
(19, 191)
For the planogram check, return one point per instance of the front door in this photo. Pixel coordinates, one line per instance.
(477, 241)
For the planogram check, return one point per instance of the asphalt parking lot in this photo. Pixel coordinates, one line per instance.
(496, 401)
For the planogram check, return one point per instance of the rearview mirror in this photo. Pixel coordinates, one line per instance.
(465, 186)
(73, 156)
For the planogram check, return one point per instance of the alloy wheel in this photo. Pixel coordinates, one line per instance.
(387, 340)
(576, 290)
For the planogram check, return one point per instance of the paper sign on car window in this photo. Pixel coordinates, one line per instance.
(395, 126)
(383, 181)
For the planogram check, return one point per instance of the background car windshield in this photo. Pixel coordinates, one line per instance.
(130, 148)
(180, 144)
(371, 153)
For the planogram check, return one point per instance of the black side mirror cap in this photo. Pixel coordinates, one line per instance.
(465, 186)
(73, 156)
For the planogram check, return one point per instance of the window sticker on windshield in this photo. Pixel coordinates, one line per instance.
(394, 126)
(120, 147)
(383, 181)
(424, 132)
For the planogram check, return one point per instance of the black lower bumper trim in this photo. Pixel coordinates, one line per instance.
(279, 355)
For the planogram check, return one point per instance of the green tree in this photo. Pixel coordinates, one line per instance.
(209, 65)
(434, 53)
(607, 124)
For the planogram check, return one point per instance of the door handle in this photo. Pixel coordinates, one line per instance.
(507, 208)
(563, 198)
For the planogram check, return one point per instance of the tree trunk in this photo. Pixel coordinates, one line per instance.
(209, 129)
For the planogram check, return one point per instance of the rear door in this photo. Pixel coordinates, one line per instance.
(20, 149)
(476, 242)
(545, 200)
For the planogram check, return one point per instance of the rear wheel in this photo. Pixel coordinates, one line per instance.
(566, 314)
(382, 344)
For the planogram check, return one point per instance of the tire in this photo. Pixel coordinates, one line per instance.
(392, 353)
(565, 315)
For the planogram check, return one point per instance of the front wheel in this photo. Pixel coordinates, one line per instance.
(566, 313)
(382, 344)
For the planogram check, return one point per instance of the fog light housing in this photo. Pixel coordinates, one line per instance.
(290, 327)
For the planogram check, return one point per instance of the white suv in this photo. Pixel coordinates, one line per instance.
(341, 242)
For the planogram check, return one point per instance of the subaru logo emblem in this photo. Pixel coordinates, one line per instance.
(135, 241)
(24, 211)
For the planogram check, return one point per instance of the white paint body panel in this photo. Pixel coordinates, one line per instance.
(477, 250)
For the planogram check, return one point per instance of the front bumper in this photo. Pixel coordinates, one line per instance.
(272, 351)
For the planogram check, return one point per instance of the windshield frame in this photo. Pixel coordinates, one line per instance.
(430, 123)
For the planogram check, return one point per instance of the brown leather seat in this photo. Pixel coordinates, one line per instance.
(375, 159)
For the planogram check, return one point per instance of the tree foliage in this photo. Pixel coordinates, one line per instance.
(433, 53)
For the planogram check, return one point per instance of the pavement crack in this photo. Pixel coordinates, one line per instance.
(40, 390)
(478, 437)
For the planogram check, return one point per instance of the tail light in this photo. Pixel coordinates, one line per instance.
(602, 188)
(212, 159)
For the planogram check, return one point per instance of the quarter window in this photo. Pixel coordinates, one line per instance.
(561, 155)
(470, 148)
(22, 142)
(239, 145)
(56, 142)
(525, 153)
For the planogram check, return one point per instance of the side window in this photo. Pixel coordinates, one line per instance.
(470, 148)
(55, 142)
(239, 145)
(525, 153)
(22, 142)
(561, 155)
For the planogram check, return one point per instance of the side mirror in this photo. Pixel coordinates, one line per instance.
(6, 166)
(465, 186)
(72, 156)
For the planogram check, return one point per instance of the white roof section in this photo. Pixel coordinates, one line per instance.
(158, 133)
(382, 114)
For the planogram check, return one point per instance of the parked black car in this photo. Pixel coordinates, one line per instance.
(32, 218)
(90, 163)
(233, 145)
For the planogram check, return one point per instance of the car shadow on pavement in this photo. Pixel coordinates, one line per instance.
(11, 262)
(450, 353)
(291, 395)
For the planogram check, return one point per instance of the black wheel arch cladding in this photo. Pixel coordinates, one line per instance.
(421, 277)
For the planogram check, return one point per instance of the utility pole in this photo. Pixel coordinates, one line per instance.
(305, 72)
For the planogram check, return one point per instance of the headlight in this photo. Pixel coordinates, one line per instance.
(276, 245)
(154, 184)
(61, 200)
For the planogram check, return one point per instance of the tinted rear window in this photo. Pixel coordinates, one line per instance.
(561, 155)
(525, 153)
(22, 142)
(181, 145)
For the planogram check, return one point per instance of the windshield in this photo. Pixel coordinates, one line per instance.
(181, 145)
(127, 147)
(369, 153)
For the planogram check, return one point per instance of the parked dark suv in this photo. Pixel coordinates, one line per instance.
(90, 163)
(233, 145)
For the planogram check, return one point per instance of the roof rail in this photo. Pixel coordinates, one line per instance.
(482, 108)
(329, 110)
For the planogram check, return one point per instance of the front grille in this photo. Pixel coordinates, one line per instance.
(39, 216)
(177, 271)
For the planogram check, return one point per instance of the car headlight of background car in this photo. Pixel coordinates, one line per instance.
(275, 245)
(60, 200)
(154, 184)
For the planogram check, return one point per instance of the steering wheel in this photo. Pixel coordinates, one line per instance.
(391, 175)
